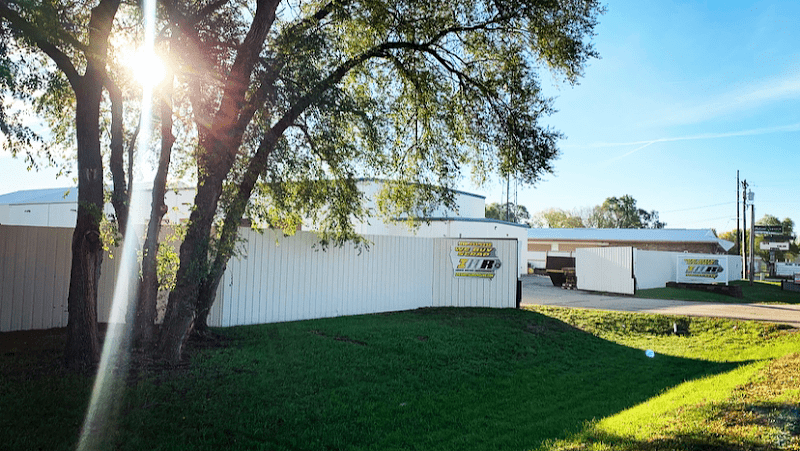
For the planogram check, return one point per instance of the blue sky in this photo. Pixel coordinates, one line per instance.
(684, 95)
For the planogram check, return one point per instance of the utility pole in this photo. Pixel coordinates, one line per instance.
(508, 197)
(744, 229)
(752, 237)
(738, 230)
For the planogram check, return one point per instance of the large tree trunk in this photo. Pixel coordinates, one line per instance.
(219, 146)
(230, 230)
(194, 250)
(82, 347)
(148, 291)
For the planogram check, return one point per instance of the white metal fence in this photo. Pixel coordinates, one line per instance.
(280, 278)
(655, 268)
(275, 279)
(605, 269)
(623, 270)
(34, 278)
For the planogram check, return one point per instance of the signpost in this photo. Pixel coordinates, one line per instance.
(767, 229)
(774, 245)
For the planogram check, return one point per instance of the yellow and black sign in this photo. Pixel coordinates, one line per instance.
(693, 269)
(474, 259)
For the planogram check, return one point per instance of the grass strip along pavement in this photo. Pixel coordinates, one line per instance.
(758, 293)
(431, 379)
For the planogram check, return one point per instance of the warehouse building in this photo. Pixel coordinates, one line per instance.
(542, 242)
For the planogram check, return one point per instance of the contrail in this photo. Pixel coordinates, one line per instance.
(647, 143)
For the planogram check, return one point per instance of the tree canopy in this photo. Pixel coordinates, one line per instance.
(557, 218)
(787, 234)
(614, 213)
(289, 103)
(507, 212)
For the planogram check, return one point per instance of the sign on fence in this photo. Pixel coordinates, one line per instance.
(703, 269)
(474, 259)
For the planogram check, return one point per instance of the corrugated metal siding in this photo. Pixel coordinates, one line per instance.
(267, 282)
(34, 277)
(654, 269)
(606, 269)
(498, 292)
(277, 278)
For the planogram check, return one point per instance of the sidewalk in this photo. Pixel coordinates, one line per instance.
(537, 290)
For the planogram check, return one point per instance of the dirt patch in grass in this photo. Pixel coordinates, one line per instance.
(30, 354)
(342, 338)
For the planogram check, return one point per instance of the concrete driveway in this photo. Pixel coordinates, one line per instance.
(538, 290)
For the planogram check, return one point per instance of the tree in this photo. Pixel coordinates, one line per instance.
(37, 26)
(507, 212)
(557, 218)
(291, 103)
(49, 88)
(305, 100)
(730, 236)
(788, 231)
(622, 213)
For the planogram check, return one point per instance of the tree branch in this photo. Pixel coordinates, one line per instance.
(119, 195)
(39, 38)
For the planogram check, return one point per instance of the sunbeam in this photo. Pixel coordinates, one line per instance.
(99, 423)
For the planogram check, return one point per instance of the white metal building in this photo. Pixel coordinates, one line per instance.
(567, 241)
(57, 207)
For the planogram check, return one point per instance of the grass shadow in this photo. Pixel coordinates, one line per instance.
(427, 379)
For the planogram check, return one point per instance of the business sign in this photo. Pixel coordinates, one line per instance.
(474, 259)
(706, 269)
(759, 229)
(778, 246)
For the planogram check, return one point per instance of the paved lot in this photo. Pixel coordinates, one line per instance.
(539, 290)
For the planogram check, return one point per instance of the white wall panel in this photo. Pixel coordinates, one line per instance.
(34, 278)
(499, 291)
(33, 288)
(273, 279)
(654, 269)
(605, 269)
(291, 278)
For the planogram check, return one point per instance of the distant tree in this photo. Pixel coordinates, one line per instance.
(622, 213)
(788, 230)
(507, 212)
(730, 236)
(556, 218)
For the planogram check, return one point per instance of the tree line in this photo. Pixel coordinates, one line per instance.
(613, 213)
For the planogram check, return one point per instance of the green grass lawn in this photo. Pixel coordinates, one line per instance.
(430, 379)
(758, 293)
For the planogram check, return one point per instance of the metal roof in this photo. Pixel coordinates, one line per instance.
(41, 196)
(463, 219)
(641, 235)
